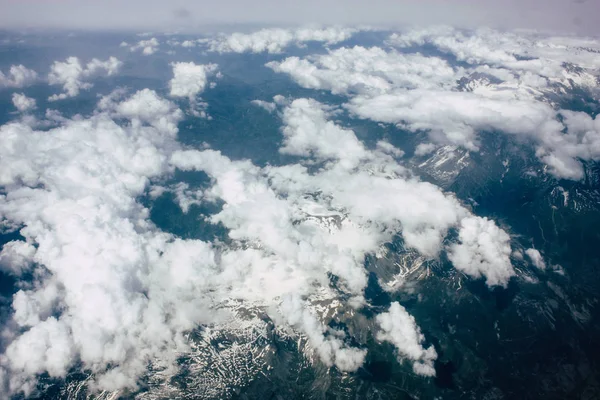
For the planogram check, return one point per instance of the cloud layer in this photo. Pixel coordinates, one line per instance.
(189, 80)
(275, 40)
(400, 329)
(71, 74)
(93, 243)
(18, 76)
(147, 47)
(103, 288)
(111, 289)
(507, 83)
(22, 102)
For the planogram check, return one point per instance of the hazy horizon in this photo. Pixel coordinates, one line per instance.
(567, 16)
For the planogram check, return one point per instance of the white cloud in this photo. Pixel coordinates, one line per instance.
(375, 196)
(524, 52)
(561, 152)
(71, 74)
(189, 43)
(22, 102)
(77, 205)
(147, 107)
(266, 105)
(326, 222)
(425, 148)
(44, 348)
(148, 47)
(68, 74)
(536, 258)
(184, 196)
(308, 132)
(189, 80)
(389, 148)
(400, 329)
(368, 71)
(275, 40)
(16, 256)
(331, 349)
(111, 66)
(456, 117)
(18, 76)
(509, 84)
(483, 250)
(113, 290)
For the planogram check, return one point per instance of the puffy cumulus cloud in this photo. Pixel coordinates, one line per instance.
(73, 190)
(456, 117)
(308, 132)
(188, 43)
(16, 257)
(508, 83)
(71, 74)
(147, 47)
(424, 148)
(389, 148)
(485, 45)
(399, 328)
(368, 71)
(22, 102)
(325, 222)
(184, 195)
(18, 76)
(483, 250)
(522, 52)
(275, 40)
(45, 348)
(331, 349)
(145, 107)
(287, 247)
(113, 293)
(189, 80)
(111, 66)
(367, 190)
(265, 105)
(581, 141)
(536, 258)
(255, 214)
